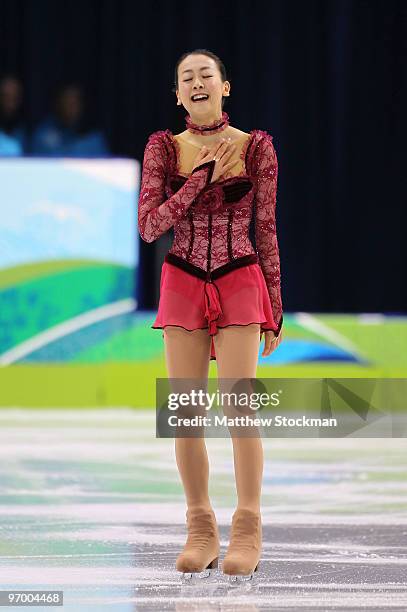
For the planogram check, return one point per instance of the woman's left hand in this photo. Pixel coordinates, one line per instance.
(271, 342)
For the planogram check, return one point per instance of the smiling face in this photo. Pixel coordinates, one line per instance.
(199, 74)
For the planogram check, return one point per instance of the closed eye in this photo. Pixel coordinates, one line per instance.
(205, 77)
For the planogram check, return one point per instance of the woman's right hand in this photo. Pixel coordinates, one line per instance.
(222, 152)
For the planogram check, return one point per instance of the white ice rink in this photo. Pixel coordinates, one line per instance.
(91, 504)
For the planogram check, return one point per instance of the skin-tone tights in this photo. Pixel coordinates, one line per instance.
(188, 356)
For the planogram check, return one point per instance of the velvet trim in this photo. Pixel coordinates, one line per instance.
(187, 266)
(211, 165)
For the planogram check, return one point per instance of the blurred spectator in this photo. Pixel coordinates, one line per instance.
(65, 132)
(13, 135)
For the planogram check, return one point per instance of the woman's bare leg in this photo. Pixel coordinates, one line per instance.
(187, 356)
(237, 349)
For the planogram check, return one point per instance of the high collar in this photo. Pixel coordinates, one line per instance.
(206, 130)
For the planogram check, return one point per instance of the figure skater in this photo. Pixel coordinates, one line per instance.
(218, 294)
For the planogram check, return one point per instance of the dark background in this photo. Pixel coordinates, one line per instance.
(326, 78)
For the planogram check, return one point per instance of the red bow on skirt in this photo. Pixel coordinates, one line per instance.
(213, 309)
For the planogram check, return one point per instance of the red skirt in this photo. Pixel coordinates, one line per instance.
(239, 297)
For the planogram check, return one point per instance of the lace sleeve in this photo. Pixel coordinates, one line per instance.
(156, 214)
(266, 171)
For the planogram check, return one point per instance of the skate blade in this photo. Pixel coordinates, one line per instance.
(241, 578)
(206, 573)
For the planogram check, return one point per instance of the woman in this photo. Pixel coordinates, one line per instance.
(218, 295)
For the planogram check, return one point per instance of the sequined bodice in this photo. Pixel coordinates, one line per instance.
(211, 220)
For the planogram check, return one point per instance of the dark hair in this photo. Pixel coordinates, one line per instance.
(10, 75)
(219, 63)
(63, 86)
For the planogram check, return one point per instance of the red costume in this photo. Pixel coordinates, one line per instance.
(212, 276)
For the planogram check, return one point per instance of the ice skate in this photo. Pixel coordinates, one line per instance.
(201, 551)
(243, 554)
